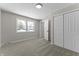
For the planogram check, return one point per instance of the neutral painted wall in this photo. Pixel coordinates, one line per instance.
(9, 28)
(0, 28)
(41, 29)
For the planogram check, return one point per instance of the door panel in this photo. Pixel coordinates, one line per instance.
(58, 30)
(71, 31)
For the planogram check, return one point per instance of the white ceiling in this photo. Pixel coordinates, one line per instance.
(29, 10)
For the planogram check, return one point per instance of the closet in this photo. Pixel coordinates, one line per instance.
(71, 31)
(66, 31)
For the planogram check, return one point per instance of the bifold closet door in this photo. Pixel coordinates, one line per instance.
(71, 31)
(58, 30)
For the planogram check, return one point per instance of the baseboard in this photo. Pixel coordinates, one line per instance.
(15, 41)
(52, 43)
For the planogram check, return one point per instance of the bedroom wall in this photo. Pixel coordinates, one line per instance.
(9, 28)
(0, 28)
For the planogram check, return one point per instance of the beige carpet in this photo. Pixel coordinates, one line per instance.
(39, 47)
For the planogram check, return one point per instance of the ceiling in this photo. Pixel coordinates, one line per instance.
(29, 9)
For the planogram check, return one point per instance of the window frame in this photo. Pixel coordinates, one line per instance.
(19, 31)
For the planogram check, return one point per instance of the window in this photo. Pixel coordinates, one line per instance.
(21, 25)
(30, 25)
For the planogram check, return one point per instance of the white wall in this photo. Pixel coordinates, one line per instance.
(45, 28)
(58, 12)
(9, 28)
(0, 28)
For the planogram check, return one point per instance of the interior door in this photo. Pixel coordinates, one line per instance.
(58, 30)
(46, 29)
(42, 29)
(71, 31)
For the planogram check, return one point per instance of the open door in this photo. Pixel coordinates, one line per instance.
(47, 30)
(58, 30)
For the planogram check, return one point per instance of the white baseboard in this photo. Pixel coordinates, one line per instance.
(15, 41)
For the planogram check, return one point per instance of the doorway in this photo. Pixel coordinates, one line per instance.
(47, 30)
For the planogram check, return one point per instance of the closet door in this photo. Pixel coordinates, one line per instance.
(71, 31)
(58, 30)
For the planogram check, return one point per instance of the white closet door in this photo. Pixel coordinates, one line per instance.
(71, 31)
(58, 30)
